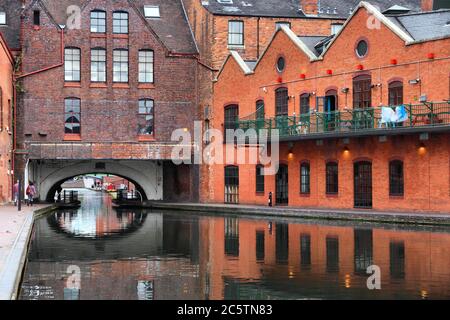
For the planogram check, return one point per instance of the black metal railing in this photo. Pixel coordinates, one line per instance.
(69, 196)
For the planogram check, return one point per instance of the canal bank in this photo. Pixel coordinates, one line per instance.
(414, 218)
(15, 231)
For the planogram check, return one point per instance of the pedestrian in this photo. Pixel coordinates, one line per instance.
(31, 192)
(16, 192)
(56, 197)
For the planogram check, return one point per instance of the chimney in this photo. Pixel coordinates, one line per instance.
(309, 6)
(427, 5)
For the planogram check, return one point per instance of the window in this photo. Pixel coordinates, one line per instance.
(304, 104)
(335, 28)
(281, 243)
(332, 245)
(120, 22)
(305, 178)
(305, 251)
(281, 101)
(72, 112)
(363, 250)
(72, 57)
(362, 92)
(279, 24)
(259, 179)
(396, 179)
(37, 18)
(362, 48)
(231, 237)
(2, 17)
(396, 93)
(231, 117)
(151, 11)
(260, 251)
(281, 64)
(236, 33)
(260, 112)
(397, 259)
(231, 184)
(98, 21)
(98, 65)
(146, 66)
(332, 186)
(120, 65)
(146, 117)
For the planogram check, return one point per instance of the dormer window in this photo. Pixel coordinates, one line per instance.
(2, 18)
(152, 12)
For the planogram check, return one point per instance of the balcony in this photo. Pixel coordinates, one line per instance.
(427, 117)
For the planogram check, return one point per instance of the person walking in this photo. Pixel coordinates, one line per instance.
(31, 192)
(16, 192)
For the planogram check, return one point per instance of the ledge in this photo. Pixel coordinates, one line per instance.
(71, 84)
(98, 85)
(146, 86)
(120, 36)
(72, 137)
(119, 85)
(146, 138)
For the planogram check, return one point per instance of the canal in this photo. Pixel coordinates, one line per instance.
(99, 252)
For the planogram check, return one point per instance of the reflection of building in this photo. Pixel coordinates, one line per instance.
(6, 104)
(361, 124)
(301, 260)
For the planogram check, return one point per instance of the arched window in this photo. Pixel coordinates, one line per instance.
(281, 101)
(146, 60)
(332, 178)
(304, 104)
(260, 112)
(72, 64)
(396, 93)
(305, 178)
(120, 22)
(72, 116)
(231, 184)
(120, 65)
(362, 92)
(396, 179)
(231, 117)
(98, 21)
(146, 117)
(98, 65)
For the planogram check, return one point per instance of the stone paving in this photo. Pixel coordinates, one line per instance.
(15, 228)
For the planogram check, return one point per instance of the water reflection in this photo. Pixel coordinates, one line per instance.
(161, 255)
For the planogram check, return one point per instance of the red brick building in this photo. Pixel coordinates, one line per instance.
(6, 102)
(106, 81)
(334, 101)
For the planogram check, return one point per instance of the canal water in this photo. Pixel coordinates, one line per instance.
(99, 252)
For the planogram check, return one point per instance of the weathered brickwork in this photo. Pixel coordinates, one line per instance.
(426, 163)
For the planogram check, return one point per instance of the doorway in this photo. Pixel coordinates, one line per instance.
(282, 189)
(363, 185)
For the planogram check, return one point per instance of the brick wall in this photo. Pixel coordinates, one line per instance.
(426, 175)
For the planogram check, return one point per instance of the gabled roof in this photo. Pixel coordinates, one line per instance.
(238, 59)
(337, 9)
(172, 28)
(11, 31)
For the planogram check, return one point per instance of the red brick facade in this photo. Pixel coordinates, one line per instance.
(6, 102)
(426, 162)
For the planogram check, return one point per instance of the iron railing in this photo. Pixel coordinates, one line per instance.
(126, 195)
(430, 114)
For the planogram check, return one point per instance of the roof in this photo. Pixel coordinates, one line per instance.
(425, 26)
(312, 41)
(338, 9)
(172, 27)
(10, 31)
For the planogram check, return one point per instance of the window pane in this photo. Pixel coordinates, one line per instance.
(2, 17)
(98, 21)
(72, 116)
(146, 66)
(146, 117)
(98, 65)
(120, 66)
(72, 64)
(236, 33)
(120, 22)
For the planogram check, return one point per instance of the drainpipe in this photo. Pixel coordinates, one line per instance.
(257, 37)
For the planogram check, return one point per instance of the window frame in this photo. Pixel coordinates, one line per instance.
(362, 91)
(98, 63)
(120, 25)
(145, 115)
(3, 13)
(305, 179)
(233, 195)
(97, 19)
(228, 123)
(145, 64)
(396, 179)
(332, 178)
(241, 32)
(395, 93)
(122, 63)
(72, 113)
(73, 70)
(259, 179)
(281, 102)
(36, 18)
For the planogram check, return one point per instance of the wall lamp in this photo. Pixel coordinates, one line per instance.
(414, 81)
(345, 90)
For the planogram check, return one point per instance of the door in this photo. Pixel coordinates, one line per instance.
(363, 184)
(282, 189)
(330, 110)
